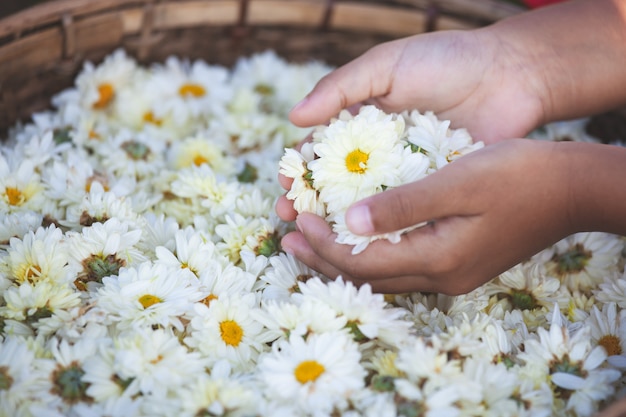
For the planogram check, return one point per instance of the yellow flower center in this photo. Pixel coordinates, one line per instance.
(207, 300)
(106, 93)
(199, 160)
(611, 344)
(15, 196)
(356, 160)
(149, 300)
(28, 272)
(231, 332)
(194, 90)
(148, 117)
(308, 371)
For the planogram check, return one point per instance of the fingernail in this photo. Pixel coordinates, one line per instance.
(298, 226)
(359, 219)
(300, 103)
(288, 250)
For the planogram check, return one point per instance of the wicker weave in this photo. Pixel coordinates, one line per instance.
(43, 47)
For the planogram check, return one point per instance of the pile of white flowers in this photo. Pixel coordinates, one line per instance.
(358, 156)
(141, 272)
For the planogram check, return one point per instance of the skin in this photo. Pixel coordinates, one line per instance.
(497, 206)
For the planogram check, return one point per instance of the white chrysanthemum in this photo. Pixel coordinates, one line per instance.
(495, 388)
(228, 330)
(157, 230)
(357, 157)
(583, 260)
(612, 290)
(187, 91)
(66, 387)
(17, 225)
(572, 364)
(303, 193)
(151, 294)
(142, 362)
(309, 317)
(20, 384)
(283, 275)
(527, 287)
(40, 148)
(101, 250)
(254, 203)
(98, 206)
(318, 374)
(257, 235)
(224, 279)
(41, 255)
(191, 253)
(70, 180)
(214, 193)
(98, 85)
(219, 394)
(73, 324)
(369, 316)
(131, 154)
(250, 131)
(435, 138)
(198, 150)
(34, 302)
(21, 187)
(257, 73)
(608, 329)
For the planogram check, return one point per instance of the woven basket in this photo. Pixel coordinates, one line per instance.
(43, 47)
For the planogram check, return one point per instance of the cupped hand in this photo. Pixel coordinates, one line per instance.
(473, 78)
(488, 211)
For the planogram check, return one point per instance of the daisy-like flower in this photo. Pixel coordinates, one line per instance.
(302, 192)
(527, 287)
(132, 154)
(228, 330)
(192, 253)
(612, 289)
(19, 384)
(98, 206)
(98, 85)
(583, 260)
(221, 393)
(32, 303)
(215, 194)
(151, 294)
(257, 235)
(608, 329)
(141, 362)
(198, 150)
(188, 90)
(283, 319)
(101, 250)
(17, 225)
(283, 275)
(66, 387)
(317, 374)
(357, 157)
(369, 316)
(433, 137)
(571, 364)
(21, 187)
(41, 255)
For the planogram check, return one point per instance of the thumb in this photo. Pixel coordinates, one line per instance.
(439, 195)
(368, 76)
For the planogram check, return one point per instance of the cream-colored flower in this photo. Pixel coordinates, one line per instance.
(357, 157)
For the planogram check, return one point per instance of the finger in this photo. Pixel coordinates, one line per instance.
(443, 194)
(285, 182)
(369, 75)
(295, 244)
(399, 285)
(382, 259)
(284, 209)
